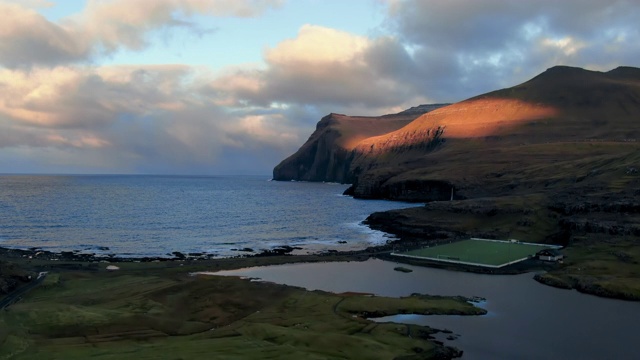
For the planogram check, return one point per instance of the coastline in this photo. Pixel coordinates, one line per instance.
(71, 260)
(550, 274)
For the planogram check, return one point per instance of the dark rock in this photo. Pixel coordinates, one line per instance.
(177, 254)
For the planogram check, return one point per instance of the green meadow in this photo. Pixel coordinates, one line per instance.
(155, 312)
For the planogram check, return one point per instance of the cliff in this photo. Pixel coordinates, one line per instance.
(327, 154)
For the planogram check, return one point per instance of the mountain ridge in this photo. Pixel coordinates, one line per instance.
(562, 105)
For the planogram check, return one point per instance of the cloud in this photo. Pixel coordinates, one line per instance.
(72, 97)
(133, 118)
(324, 67)
(27, 38)
(464, 48)
(443, 51)
(103, 27)
(123, 23)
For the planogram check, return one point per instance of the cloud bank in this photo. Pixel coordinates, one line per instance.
(63, 108)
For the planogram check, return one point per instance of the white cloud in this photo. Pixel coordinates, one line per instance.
(27, 38)
(317, 45)
(323, 66)
(116, 23)
(103, 27)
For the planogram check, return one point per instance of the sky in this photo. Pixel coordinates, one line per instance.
(217, 87)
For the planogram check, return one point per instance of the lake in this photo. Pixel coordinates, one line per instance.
(526, 320)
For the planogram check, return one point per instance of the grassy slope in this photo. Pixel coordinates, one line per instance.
(563, 125)
(611, 270)
(153, 312)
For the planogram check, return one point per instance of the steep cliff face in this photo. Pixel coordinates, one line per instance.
(328, 153)
(321, 158)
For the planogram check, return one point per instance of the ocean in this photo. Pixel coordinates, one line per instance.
(136, 216)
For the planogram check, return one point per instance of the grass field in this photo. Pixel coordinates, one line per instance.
(480, 252)
(147, 311)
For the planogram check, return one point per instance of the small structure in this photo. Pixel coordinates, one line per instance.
(550, 255)
(112, 268)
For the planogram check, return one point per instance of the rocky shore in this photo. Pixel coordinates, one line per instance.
(78, 256)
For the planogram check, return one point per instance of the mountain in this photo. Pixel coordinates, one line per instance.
(554, 160)
(507, 140)
(327, 154)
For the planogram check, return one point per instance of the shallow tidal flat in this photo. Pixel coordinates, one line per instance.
(161, 310)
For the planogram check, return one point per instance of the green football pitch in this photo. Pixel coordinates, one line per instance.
(479, 252)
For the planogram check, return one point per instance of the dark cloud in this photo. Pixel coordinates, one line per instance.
(137, 119)
(464, 48)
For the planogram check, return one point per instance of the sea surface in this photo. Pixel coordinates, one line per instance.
(526, 320)
(157, 215)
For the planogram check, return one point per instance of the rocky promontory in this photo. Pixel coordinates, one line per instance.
(328, 153)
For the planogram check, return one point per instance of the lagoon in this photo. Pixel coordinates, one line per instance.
(525, 320)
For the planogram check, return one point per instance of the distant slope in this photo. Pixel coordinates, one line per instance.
(327, 153)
